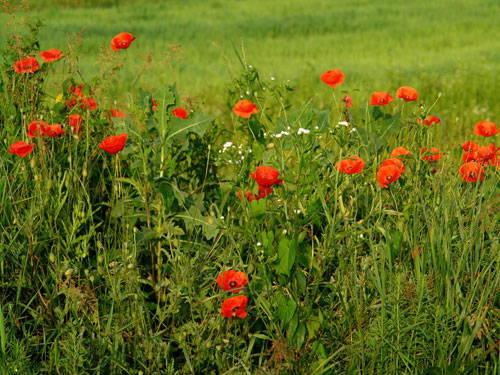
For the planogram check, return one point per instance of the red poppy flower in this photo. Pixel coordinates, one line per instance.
(471, 171)
(332, 77)
(235, 307)
(432, 120)
(154, 107)
(380, 98)
(470, 146)
(75, 121)
(20, 148)
(122, 41)
(51, 55)
(78, 91)
(407, 93)
(179, 112)
(387, 175)
(36, 127)
(433, 154)
(486, 154)
(347, 100)
(28, 65)
(88, 103)
(353, 164)
(399, 151)
(114, 143)
(233, 281)
(266, 176)
(485, 128)
(396, 162)
(263, 192)
(117, 114)
(245, 108)
(248, 195)
(53, 130)
(468, 156)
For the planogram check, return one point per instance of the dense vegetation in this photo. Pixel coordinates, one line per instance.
(258, 226)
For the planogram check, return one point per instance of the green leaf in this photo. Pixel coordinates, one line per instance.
(299, 337)
(286, 255)
(193, 217)
(198, 124)
(286, 309)
(257, 207)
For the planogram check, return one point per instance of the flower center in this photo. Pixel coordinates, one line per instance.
(388, 178)
(235, 308)
(233, 283)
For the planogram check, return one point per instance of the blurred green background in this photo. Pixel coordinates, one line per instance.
(447, 46)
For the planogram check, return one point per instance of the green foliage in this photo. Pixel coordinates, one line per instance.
(109, 262)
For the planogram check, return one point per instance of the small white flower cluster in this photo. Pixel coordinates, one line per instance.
(279, 135)
(346, 124)
(303, 131)
(230, 145)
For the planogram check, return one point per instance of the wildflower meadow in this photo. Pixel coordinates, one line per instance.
(144, 232)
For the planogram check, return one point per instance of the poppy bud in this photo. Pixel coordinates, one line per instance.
(52, 257)
(32, 163)
(68, 273)
(84, 173)
(270, 146)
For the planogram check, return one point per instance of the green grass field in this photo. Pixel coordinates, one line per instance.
(284, 235)
(435, 46)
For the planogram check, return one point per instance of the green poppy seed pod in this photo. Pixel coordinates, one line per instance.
(52, 257)
(91, 278)
(100, 259)
(270, 146)
(99, 246)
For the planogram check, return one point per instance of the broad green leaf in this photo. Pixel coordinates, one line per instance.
(198, 124)
(286, 255)
(286, 309)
